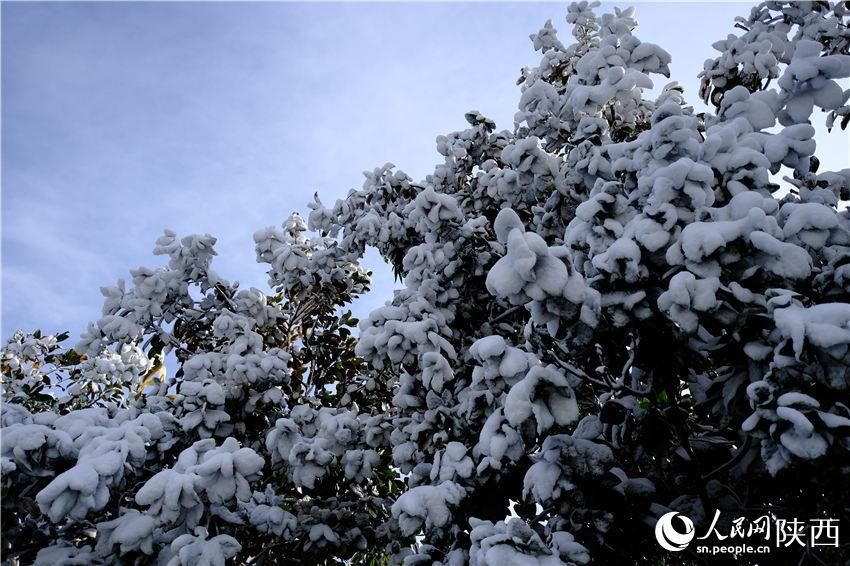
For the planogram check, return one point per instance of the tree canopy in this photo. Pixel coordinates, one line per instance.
(617, 309)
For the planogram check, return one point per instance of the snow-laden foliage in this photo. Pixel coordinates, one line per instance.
(618, 308)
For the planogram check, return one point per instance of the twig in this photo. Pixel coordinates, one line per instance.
(505, 314)
(733, 460)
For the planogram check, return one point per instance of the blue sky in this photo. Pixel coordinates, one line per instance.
(121, 119)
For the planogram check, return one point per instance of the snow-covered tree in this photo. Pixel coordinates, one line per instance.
(617, 309)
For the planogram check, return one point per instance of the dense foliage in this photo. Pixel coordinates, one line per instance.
(618, 309)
